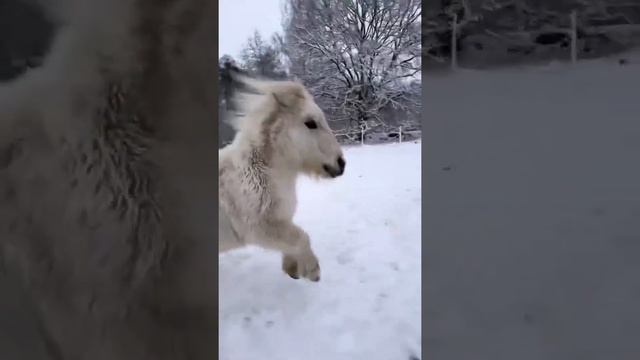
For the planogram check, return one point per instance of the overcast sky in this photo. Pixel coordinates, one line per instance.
(238, 19)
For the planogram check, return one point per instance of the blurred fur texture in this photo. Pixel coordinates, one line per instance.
(107, 178)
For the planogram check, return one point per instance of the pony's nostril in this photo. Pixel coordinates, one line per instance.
(341, 163)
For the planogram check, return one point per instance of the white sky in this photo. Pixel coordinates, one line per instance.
(238, 19)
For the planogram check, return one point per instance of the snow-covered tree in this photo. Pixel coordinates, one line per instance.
(263, 58)
(356, 56)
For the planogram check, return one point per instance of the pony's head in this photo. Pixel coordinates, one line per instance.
(282, 120)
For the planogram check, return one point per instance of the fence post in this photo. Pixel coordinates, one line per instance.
(574, 37)
(400, 135)
(362, 135)
(454, 42)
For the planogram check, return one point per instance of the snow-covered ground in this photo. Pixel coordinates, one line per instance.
(365, 230)
(532, 213)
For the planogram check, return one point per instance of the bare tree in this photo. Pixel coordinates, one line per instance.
(262, 58)
(357, 56)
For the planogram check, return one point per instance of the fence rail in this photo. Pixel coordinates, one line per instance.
(361, 136)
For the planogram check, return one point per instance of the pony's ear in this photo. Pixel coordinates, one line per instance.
(288, 96)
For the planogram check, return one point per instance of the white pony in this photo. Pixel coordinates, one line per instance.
(282, 134)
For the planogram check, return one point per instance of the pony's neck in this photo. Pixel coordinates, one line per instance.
(283, 170)
(278, 166)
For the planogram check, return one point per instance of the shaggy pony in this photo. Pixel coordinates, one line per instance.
(283, 133)
(106, 181)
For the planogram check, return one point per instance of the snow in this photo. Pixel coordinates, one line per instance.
(365, 230)
(532, 232)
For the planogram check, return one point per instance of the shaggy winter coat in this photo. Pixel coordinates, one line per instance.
(107, 181)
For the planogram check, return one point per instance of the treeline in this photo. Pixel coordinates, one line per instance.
(361, 60)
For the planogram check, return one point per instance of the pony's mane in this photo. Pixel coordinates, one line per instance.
(259, 99)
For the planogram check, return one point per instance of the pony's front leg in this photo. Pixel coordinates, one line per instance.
(293, 242)
(301, 266)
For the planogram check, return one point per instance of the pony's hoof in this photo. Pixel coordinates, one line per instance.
(311, 269)
(306, 267)
(290, 266)
(315, 278)
(314, 274)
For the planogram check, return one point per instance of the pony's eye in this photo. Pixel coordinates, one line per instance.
(311, 124)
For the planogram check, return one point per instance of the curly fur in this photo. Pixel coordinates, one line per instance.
(258, 171)
(106, 155)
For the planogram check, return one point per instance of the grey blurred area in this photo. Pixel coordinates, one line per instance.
(20, 337)
(532, 215)
(24, 38)
(493, 33)
(532, 207)
(35, 320)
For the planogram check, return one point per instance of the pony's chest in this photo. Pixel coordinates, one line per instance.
(242, 191)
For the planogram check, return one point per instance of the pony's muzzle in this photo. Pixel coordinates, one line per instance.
(335, 171)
